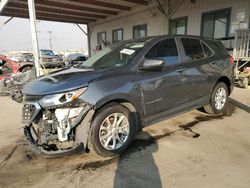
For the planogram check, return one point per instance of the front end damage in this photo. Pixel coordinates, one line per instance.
(58, 130)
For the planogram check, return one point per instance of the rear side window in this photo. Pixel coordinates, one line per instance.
(207, 51)
(165, 50)
(193, 49)
(219, 48)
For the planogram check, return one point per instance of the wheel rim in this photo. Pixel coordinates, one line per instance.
(220, 98)
(114, 131)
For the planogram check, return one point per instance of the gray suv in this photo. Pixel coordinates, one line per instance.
(103, 103)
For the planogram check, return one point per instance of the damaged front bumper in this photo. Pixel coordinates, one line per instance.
(52, 135)
(49, 151)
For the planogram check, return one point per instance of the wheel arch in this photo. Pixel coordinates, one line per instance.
(25, 65)
(225, 80)
(124, 102)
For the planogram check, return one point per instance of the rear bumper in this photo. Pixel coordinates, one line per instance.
(52, 64)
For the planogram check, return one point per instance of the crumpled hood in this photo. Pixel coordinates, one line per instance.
(62, 81)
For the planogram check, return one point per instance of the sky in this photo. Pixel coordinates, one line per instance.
(16, 35)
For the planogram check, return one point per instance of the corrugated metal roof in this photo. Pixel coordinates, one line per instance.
(73, 11)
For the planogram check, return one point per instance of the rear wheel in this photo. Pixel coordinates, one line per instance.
(112, 130)
(219, 99)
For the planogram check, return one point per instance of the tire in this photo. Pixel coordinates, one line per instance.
(222, 100)
(26, 68)
(103, 134)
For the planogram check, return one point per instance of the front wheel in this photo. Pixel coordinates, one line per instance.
(112, 130)
(219, 100)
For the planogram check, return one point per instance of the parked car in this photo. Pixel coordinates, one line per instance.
(75, 59)
(22, 57)
(9, 67)
(127, 86)
(50, 60)
(13, 76)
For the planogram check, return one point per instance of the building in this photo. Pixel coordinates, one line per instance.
(111, 21)
(213, 18)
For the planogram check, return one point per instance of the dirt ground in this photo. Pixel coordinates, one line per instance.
(191, 150)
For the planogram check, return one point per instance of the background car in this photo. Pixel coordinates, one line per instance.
(9, 67)
(22, 57)
(50, 60)
(74, 59)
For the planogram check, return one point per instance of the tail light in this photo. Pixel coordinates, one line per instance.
(231, 60)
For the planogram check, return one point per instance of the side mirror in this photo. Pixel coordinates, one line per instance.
(152, 65)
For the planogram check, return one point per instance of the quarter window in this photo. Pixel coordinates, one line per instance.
(178, 26)
(139, 31)
(117, 35)
(165, 50)
(216, 24)
(101, 37)
(193, 49)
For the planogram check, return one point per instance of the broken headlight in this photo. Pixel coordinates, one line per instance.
(61, 98)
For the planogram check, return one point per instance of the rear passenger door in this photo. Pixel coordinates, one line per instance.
(197, 67)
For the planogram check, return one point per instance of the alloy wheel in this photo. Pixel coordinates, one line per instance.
(114, 131)
(220, 98)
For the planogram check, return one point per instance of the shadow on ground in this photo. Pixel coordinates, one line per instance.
(135, 168)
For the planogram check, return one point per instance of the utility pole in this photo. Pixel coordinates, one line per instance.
(32, 15)
(50, 39)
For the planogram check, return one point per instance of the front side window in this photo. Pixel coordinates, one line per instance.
(216, 24)
(178, 26)
(101, 37)
(117, 35)
(165, 50)
(193, 49)
(140, 31)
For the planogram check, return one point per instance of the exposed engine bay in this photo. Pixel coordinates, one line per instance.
(54, 130)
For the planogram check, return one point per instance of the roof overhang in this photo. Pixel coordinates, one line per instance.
(70, 11)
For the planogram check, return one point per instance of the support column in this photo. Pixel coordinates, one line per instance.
(3, 3)
(89, 40)
(32, 15)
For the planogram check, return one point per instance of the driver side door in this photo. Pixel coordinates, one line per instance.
(165, 89)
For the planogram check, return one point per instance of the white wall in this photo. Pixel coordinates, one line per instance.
(194, 11)
(156, 21)
(152, 17)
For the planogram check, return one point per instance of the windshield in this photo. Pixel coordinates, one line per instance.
(114, 56)
(47, 53)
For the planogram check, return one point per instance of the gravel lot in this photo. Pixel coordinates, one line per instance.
(191, 150)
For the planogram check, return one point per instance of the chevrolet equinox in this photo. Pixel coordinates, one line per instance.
(101, 104)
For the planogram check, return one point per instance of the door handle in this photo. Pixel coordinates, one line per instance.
(180, 70)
